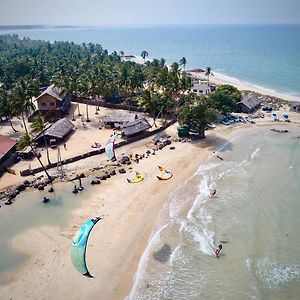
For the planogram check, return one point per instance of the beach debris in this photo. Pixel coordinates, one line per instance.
(79, 244)
(164, 253)
(279, 130)
(219, 157)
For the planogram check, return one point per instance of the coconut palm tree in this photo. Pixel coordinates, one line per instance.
(24, 91)
(144, 54)
(6, 107)
(208, 73)
(38, 125)
(26, 140)
(183, 62)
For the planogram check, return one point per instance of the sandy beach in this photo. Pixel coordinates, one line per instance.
(118, 241)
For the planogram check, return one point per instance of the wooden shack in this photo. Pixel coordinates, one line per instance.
(248, 104)
(51, 104)
(117, 120)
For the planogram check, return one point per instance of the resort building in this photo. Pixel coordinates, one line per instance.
(127, 58)
(200, 88)
(51, 104)
(248, 104)
(295, 106)
(117, 120)
(56, 133)
(136, 127)
(7, 149)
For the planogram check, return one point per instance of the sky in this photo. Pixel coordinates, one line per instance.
(151, 12)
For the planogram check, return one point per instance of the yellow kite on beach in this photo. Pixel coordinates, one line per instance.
(137, 178)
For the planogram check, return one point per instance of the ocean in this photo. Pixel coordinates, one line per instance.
(254, 215)
(267, 56)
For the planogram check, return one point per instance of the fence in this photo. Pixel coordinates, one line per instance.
(146, 134)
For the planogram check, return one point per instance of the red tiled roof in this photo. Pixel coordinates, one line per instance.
(5, 145)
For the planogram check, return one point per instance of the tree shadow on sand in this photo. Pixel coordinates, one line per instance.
(163, 254)
(213, 143)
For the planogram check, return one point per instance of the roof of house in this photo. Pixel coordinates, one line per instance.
(57, 130)
(52, 91)
(119, 118)
(5, 145)
(250, 101)
(136, 126)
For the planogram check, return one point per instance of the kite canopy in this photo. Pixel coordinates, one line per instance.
(165, 175)
(78, 246)
(110, 147)
(137, 178)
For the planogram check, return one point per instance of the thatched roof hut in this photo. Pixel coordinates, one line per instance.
(136, 127)
(248, 104)
(117, 120)
(58, 130)
(6, 147)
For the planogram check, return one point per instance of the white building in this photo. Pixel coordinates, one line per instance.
(200, 88)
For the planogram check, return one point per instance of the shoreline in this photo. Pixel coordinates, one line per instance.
(133, 215)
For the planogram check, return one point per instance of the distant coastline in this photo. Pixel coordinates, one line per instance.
(28, 27)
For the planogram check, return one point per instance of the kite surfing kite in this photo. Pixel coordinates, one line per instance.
(78, 246)
(165, 175)
(138, 178)
(110, 146)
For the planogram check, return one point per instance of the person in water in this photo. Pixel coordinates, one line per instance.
(218, 250)
(213, 193)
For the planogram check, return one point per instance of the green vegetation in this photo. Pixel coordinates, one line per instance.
(87, 71)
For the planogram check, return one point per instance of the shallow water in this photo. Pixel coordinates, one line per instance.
(29, 211)
(255, 214)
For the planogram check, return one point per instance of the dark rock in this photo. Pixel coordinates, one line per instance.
(8, 202)
(51, 190)
(122, 171)
(107, 176)
(26, 183)
(124, 159)
(113, 172)
(41, 187)
(168, 142)
(103, 177)
(172, 148)
(148, 152)
(46, 200)
(21, 187)
(128, 163)
(82, 175)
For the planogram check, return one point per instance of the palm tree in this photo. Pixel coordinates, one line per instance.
(6, 107)
(144, 54)
(38, 125)
(183, 62)
(23, 92)
(208, 73)
(26, 140)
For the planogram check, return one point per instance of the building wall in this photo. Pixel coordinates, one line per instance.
(47, 102)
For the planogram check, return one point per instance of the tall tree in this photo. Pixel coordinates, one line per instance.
(7, 108)
(183, 62)
(144, 54)
(38, 125)
(197, 112)
(208, 73)
(26, 140)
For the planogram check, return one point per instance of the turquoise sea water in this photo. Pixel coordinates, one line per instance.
(255, 215)
(267, 56)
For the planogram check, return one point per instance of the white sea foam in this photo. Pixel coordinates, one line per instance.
(274, 275)
(255, 153)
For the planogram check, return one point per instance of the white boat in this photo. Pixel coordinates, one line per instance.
(286, 117)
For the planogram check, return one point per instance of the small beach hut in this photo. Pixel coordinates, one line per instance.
(248, 104)
(117, 120)
(7, 149)
(58, 131)
(135, 127)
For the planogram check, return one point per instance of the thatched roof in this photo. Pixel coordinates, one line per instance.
(250, 101)
(53, 91)
(119, 118)
(135, 127)
(5, 145)
(57, 130)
